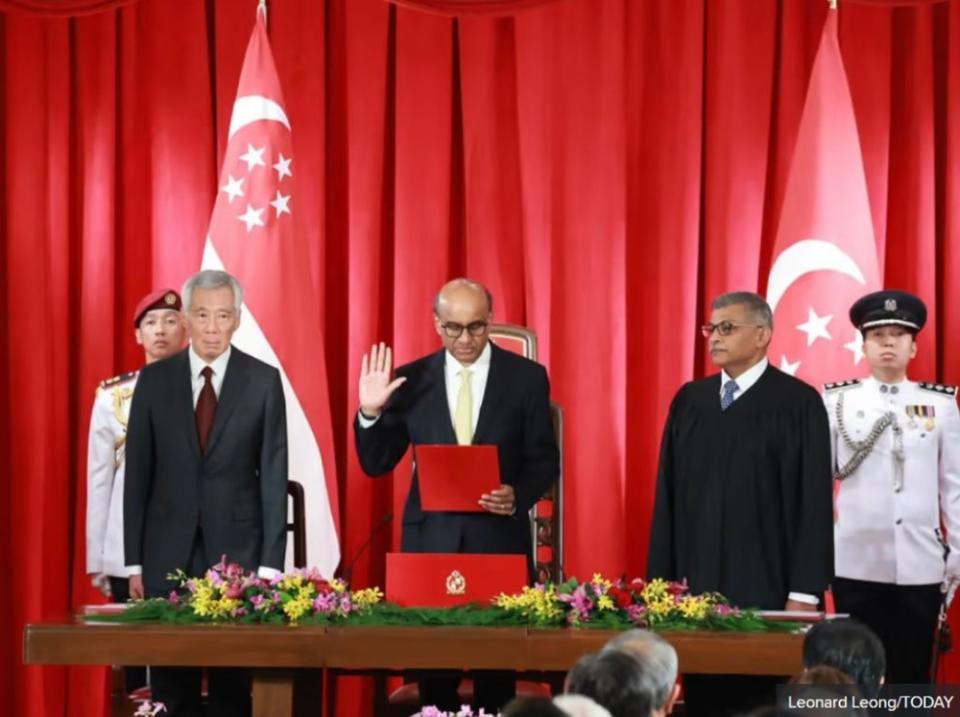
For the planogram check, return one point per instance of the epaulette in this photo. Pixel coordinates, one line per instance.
(116, 380)
(837, 385)
(938, 388)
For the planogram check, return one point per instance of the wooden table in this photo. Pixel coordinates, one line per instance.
(276, 654)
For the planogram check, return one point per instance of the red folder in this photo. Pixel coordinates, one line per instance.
(452, 478)
(445, 579)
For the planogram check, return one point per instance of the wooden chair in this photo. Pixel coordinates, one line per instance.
(124, 704)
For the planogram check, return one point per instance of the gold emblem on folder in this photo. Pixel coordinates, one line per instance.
(456, 583)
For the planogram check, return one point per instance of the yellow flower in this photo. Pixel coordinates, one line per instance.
(290, 582)
(540, 605)
(601, 581)
(337, 585)
(655, 590)
(297, 607)
(367, 597)
(695, 608)
(605, 602)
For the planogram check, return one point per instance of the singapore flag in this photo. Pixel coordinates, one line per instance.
(254, 235)
(825, 255)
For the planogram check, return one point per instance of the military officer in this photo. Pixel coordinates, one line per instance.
(896, 453)
(158, 327)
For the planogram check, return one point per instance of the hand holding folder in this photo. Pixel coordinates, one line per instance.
(454, 478)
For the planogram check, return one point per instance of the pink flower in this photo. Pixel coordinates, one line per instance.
(636, 612)
(173, 597)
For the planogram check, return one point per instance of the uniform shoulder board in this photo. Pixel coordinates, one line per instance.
(939, 388)
(838, 385)
(117, 380)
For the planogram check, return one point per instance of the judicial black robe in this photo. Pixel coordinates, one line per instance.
(744, 497)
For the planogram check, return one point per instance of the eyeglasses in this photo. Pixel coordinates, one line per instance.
(724, 328)
(474, 328)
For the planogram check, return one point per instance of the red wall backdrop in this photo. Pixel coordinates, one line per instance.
(606, 167)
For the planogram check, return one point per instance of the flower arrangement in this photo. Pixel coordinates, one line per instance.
(464, 711)
(227, 593)
(616, 604)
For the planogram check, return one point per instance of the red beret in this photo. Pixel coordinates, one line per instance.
(161, 299)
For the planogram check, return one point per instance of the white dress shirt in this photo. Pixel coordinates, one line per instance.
(197, 364)
(746, 379)
(219, 366)
(744, 383)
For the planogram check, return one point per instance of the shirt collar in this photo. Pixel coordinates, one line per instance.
(747, 378)
(482, 363)
(219, 364)
(873, 380)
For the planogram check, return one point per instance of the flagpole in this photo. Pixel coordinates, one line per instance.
(262, 10)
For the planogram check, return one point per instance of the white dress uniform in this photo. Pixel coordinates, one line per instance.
(890, 507)
(105, 469)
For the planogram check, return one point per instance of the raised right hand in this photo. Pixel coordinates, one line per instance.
(375, 384)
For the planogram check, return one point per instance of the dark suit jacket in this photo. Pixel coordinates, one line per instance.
(514, 416)
(236, 492)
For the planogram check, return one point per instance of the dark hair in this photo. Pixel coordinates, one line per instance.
(532, 707)
(849, 646)
(821, 675)
(613, 680)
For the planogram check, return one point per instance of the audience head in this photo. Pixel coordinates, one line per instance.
(849, 646)
(657, 660)
(580, 706)
(613, 679)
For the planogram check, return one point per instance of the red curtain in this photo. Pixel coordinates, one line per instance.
(606, 168)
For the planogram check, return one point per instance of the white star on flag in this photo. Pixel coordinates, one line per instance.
(856, 347)
(283, 167)
(252, 217)
(815, 327)
(233, 188)
(787, 367)
(280, 203)
(253, 157)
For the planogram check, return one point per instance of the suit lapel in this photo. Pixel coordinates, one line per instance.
(492, 395)
(230, 389)
(437, 398)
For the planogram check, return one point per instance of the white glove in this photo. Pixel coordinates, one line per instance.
(949, 588)
(102, 583)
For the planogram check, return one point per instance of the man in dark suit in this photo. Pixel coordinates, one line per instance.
(206, 474)
(469, 392)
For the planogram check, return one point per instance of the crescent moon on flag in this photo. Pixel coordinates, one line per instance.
(805, 257)
(253, 108)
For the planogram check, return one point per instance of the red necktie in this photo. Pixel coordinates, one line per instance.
(206, 408)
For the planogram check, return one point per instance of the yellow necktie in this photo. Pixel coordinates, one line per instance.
(463, 416)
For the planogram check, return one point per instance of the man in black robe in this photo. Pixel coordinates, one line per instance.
(744, 502)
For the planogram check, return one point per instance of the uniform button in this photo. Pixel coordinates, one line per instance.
(898, 490)
(899, 520)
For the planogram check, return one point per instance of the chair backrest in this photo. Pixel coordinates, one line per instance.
(546, 517)
(298, 523)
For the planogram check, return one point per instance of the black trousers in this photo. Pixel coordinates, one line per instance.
(904, 617)
(178, 688)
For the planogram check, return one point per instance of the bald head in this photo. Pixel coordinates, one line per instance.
(462, 310)
(462, 289)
